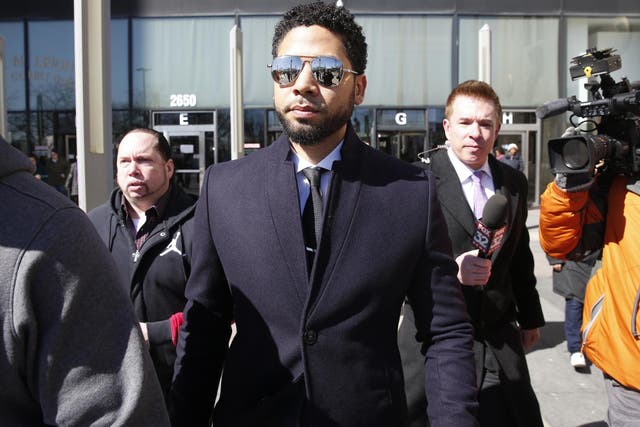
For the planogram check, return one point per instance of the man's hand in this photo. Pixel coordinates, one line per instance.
(574, 182)
(529, 338)
(473, 270)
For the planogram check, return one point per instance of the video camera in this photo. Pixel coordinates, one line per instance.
(617, 141)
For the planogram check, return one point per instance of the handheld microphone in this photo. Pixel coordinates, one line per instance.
(490, 229)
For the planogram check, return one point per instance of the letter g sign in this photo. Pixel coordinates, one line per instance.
(401, 119)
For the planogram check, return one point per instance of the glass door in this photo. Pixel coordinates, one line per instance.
(187, 150)
(525, 140)
(192, 136)
(519, 138)
(403, 145)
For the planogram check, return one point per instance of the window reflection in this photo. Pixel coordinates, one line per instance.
(12, 33)
(119, 63)
(524, 63)
(254, 125)
(180, 56)
(409, 61)
(51, 66)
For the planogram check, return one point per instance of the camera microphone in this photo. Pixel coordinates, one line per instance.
(553, 108)
(491, 228)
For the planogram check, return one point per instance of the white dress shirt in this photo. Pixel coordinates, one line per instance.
(464, 175)
(303, 184)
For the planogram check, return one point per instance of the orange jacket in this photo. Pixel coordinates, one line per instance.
(569, 225)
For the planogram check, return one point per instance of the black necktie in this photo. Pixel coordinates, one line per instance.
(312, 213)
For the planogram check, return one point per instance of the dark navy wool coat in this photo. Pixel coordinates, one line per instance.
(320, 349)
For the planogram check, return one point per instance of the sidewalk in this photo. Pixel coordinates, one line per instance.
(567, 398)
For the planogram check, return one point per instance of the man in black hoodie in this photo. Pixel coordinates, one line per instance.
(147, 226)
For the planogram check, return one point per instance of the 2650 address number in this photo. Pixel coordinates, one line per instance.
(182, 100)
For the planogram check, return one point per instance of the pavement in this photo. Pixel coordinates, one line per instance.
(567, 398)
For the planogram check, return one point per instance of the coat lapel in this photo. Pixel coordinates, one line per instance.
(282, 197)
(346, 181)
(450, 191)
(453, 200)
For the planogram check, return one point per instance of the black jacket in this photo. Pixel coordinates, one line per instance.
(319, 346)
(155, 277)
(509, 296)
(511, 291)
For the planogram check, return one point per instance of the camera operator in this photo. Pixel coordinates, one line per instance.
(578, 215)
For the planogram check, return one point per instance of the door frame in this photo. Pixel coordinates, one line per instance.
(524, 129)
(524, 147)
(194, 130)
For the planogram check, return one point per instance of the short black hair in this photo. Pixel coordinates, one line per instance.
(336, 19)
(162, 145)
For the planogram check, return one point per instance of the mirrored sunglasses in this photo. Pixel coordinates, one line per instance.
(327, 70)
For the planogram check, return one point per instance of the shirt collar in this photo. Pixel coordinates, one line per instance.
(326, 163)
(464, 172)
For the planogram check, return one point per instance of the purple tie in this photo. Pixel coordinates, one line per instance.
(479, 196)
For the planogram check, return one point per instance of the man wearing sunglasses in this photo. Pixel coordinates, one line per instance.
(311, 245)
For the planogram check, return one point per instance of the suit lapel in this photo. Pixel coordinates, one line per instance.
(450, 192)
(346, 181)
(282, 198)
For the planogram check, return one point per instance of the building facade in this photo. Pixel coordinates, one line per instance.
(170, 69)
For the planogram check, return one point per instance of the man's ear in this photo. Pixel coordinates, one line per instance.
(170, 168)
(446, 126)
(361, 86)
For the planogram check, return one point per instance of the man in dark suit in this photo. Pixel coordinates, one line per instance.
(499, 291)
(317, 311)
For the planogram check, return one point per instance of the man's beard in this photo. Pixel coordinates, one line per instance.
(304, 133)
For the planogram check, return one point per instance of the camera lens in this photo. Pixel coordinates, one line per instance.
(575, 153)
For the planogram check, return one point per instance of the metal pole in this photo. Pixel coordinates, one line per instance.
(92, 50)
(484, 54)
(236, 113)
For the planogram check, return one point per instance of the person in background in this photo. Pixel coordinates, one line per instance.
(71, 184)
(512, 157)
(57, 171)
(570, 281)
(499, 290)
(147, 227)
(34, 162)
(498, 152)
(303, 244)
(71, 352)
